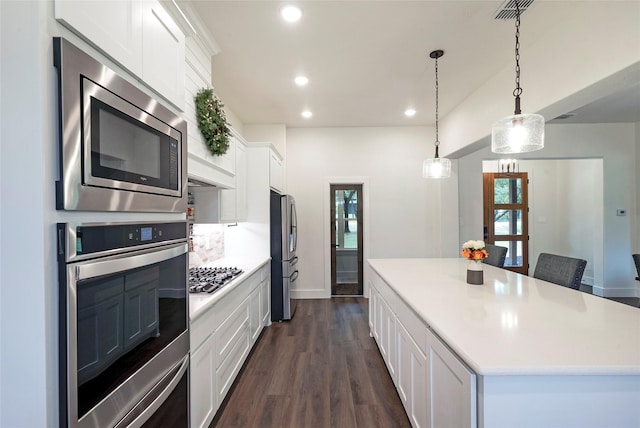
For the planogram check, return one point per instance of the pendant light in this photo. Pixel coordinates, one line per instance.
(436, 167)
(519, 133)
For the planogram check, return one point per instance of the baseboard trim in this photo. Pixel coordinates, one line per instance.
(310, 294)
(616, 292)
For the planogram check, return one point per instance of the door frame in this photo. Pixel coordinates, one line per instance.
(488, 194)
(328, 223)
(334, 249)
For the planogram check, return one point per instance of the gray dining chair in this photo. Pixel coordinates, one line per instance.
(497, 255)
(636, 260)
(561, 270)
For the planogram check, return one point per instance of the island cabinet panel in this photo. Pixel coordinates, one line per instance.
(373, 304)
(412, 378)
(435, 386)
(451, 388)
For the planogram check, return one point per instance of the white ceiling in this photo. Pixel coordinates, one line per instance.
(368, 61)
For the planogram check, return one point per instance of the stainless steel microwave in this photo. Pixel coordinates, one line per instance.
(120, 149)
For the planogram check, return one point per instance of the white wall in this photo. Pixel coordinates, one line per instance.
(615, 144)
(404, 209)
(275, 134)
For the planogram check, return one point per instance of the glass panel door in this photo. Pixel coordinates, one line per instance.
(346, 239)
(506, 217)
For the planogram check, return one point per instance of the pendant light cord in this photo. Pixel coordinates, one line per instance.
(437, 143)
(518, 90)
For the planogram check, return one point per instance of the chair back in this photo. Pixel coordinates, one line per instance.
(565, 271)
(496, 256)
(636, 260)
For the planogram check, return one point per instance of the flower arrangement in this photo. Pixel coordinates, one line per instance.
(212, 122)
(474, 250)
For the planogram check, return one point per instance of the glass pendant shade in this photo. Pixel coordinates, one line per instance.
(519, 133)
(436, 168)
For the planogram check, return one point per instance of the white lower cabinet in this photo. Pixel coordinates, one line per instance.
(221, 340)
(387, 336)
(233, 346)
(204, 394)
(436, 388)
(265, 297)
(451, 386)
(255, 320)
(412, 378)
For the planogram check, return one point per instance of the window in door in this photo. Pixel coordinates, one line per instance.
(346, 240)
(506, 217)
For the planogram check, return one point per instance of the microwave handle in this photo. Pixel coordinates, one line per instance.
(156, 400)
(129, 261)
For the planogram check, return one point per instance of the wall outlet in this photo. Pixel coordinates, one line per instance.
(621, 212)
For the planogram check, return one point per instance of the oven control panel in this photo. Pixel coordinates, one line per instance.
(97, 238)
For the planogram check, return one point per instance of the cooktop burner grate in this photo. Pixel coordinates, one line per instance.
(209, 280)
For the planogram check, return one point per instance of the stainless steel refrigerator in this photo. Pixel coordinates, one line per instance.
(284, 240)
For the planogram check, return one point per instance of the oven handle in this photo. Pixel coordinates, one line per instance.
(157, 401)
(125, 262)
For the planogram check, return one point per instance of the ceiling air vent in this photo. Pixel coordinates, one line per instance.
(508, 9)
(565, 116)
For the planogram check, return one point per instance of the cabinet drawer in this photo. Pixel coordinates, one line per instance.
(415, 327)
(202, 328)
(227, 304)
(234, 329)
(384, 291)
(226, 373)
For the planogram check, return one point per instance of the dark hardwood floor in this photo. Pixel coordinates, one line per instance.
(631, 301)
(319, 370)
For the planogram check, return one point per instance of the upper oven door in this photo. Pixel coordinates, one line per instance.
(126, 326)
(120, 149)
(125, 147)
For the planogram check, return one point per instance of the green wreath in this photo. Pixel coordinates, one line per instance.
(212, 121)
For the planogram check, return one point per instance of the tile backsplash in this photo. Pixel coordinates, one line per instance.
(208, 243)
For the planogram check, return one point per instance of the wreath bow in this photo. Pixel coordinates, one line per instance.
(212, 121)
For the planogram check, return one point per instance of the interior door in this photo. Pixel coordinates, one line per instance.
(506, 217)
(346, 239)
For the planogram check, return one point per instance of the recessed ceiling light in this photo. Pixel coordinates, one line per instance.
(291, 13)
(301, 80)
(307, 114)
(409, 112)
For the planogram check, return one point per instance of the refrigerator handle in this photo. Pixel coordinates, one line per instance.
(294, 227)
(293, 277)
(293, 261)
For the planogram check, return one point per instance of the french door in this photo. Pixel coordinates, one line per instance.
(506, 217)
(346, 239)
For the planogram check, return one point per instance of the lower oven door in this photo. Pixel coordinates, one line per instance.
(126, 332)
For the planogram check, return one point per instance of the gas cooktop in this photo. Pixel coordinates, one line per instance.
(210, 279)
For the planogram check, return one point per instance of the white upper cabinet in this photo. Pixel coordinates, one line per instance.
(233, 202)
(113, 27)
(276, 172)
(137, 34)
(163, 53)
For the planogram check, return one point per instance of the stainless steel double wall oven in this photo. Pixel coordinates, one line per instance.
(124, 318)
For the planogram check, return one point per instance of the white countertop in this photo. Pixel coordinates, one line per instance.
(200, 302)
(517, 325)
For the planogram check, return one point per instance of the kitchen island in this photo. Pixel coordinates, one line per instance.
(515, 351)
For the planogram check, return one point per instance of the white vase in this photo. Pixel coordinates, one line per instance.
(475, 273)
